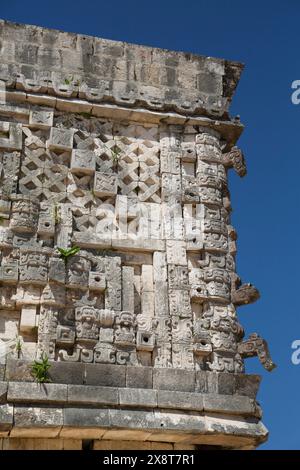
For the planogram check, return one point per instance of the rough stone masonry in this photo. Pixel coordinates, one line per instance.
(117, 250)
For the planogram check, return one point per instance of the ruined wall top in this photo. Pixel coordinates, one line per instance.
(74, 65)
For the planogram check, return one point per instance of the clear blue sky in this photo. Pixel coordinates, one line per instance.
(265, 35)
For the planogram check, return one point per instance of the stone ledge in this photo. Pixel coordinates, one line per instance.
(23, 421)
(230, 130)
(138, 397)
(92, 395)
(125, 74)
(98, 396)
(36, 393)
(180, 400)
(110, 375)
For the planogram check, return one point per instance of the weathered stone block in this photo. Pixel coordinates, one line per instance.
(61, 139)
(137, 419)
(226, 384)
(139, 397)
(18, 370)
(35, 392)
(86, 417)
(9, 273)
(90, 395)
(26, 417)
(224, 404)
(139, 377)
(28, 319)
(83, 162)
(174, 379)
(105, 184)
(174, 421)
(105, 374)
(247, 384)
(40, 119)
(97, 281)
(67, 372)
(179, 400)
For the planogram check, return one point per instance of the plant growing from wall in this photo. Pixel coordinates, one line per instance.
(115, 153)
(66, 253)
(40, 368)
(19, 346)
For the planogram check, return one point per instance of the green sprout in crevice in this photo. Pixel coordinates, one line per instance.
(40, 368)
(68, 81)
(66, 253)
(19, 346)
(115, 153)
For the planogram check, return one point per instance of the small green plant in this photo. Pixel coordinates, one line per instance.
(40, 368)
(115, 153)
(68, 81)
(18, 346)
(66, 253)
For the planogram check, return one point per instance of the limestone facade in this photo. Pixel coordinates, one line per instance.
(117, 249)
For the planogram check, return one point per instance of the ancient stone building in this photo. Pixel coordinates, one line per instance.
(117, 251)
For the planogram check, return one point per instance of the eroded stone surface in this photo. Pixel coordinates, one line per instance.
(117, 249)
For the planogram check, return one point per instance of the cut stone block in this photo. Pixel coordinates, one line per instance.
(97, 281)
(40, 119)
(28, 319)
(83, 162)
(61, 139)
(105, 184)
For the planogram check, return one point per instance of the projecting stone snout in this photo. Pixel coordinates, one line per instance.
(235, 159)
(257, 346)
(246, 294)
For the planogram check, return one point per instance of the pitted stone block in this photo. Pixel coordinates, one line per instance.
(40, 119)
(105, 184)
(61, 139)
(83, 162)
(97, 281)
(9, 273)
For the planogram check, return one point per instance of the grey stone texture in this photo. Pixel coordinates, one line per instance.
(117, 260)
(73, 65)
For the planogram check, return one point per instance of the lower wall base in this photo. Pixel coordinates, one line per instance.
(78, 444)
